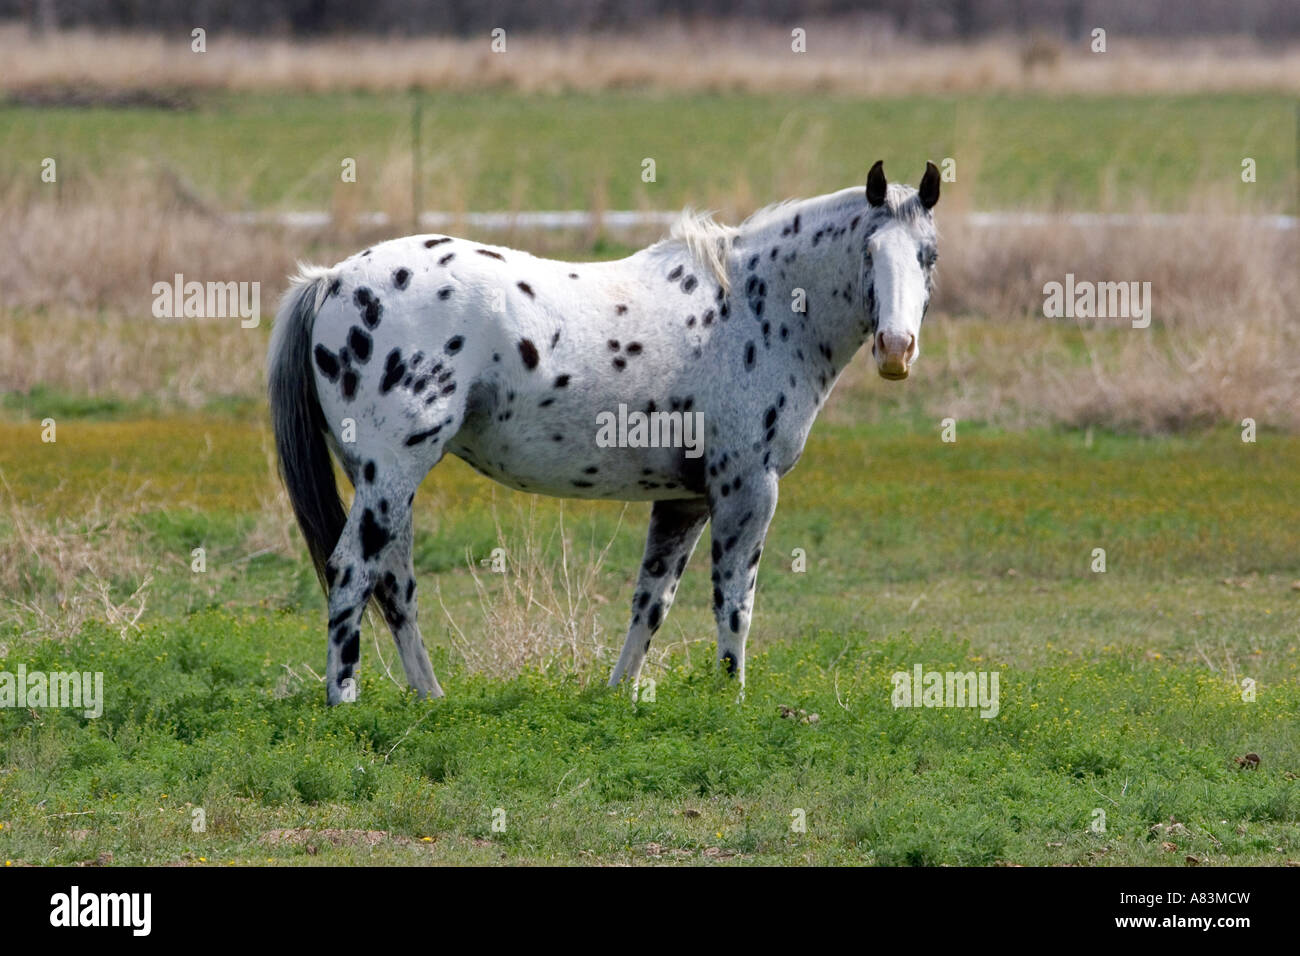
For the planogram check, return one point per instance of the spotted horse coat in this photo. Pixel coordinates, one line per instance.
(431, 344)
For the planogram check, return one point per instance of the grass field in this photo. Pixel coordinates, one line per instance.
(1119, 691)
(504, 150)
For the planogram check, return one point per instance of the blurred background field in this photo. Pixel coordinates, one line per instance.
(1071, 434)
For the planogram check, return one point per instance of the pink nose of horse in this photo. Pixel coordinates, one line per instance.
(894, 353)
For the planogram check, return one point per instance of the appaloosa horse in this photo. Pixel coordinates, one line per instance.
(430, 344)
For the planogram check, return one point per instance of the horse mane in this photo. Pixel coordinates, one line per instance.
(710, 242)
(707, 241)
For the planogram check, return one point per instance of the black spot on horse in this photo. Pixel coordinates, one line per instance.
(749, 356)
(360, 343)
(351, 651)
(526, 289)
(327, 362)
(369, 472)
(418, 437)
(735, 627)
(489, 253)
(689, 284)
(430, 243)
(730, 660)
(402, 278)
(620, 309)
(634, 348)
(447, 258)
(561, 381)
(374, 536)
(653, 618)
(445, 293)
(370, 308)
(349, 385)
(394, 371)
(528, 352)
(675, 274)
(454, 344)
(620, 363)
(334, 288)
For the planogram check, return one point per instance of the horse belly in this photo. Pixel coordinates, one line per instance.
(564, 460)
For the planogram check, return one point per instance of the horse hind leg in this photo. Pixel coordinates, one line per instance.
(376, 542)
(374, 530)
(350, 574)
(675, 527)
(395, 592)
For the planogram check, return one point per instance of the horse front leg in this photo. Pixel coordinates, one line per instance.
(742, 507)
(675, 527)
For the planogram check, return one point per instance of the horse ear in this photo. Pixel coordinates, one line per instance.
(876, 183)
(929, 188)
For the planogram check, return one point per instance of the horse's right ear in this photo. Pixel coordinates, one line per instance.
(929, 188)
(876, 183)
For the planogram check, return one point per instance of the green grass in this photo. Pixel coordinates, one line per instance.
(197, 717)
(1119, 691)
(502, 150)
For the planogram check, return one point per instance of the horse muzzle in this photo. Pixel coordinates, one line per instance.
(893, 353)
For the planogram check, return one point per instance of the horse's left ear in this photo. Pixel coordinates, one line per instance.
(876, 183)
(929, 188)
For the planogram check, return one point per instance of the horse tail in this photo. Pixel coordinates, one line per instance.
(297, 420)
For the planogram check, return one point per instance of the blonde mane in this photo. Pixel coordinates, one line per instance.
(709, 242)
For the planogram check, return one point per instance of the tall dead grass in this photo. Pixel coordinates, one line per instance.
(76, 282)
(542, 611)
(55, 574)
(854, 56)
(1222, 345)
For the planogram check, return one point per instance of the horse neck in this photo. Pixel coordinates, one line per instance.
(827, 266)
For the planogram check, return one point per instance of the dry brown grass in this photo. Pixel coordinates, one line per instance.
(541, 612)
(1222, 344)
(55, 574)
(76, 298)
(853, 56)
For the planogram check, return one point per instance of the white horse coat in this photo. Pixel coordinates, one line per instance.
(429, 344)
